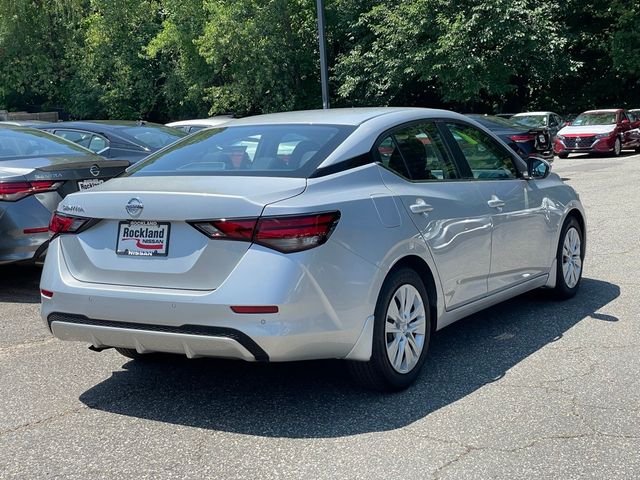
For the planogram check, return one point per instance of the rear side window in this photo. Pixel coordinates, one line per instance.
(417, 153)
(75, 136)
(256, 150)
(486, 158)
(155, 137)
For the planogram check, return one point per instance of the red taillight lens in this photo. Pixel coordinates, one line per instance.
(522, 138)
(65, 224)
(286, 234)
(228, 229)
(294, 234)
(12, 191)
(46, 293)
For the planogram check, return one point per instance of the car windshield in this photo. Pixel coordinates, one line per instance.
(530, 121)
(23, 142)
(492, 122)
(153, 137)
(595, 118)
(255, 150)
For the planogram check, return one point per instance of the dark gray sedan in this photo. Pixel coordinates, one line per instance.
(37, 170)
(116, 139)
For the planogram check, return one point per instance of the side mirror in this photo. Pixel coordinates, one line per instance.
(567, 124)
(537, 168)
(625, 120)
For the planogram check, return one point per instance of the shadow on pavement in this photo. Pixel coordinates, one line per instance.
(318, 399)
(20, 283)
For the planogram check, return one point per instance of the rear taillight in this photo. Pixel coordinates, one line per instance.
(12, 191)
(286, 234)
(66, 224)
(522, 138)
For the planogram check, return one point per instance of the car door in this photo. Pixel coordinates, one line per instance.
(521, 233)
(446, 209)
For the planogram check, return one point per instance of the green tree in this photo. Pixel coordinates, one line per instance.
(34, 37)
(468, 51)
(115, 77)
(185, 72)
(263, 55)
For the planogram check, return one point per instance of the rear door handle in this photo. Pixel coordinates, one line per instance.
(420, 206)
(495, 202)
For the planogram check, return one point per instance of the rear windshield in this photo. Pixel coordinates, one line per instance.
(603, 118)
(153, 137)
(263, 150)
(531, 121)
(16, 143)
(496, 123)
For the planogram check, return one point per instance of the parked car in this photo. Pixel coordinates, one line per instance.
(22, 123)
(598, 131)
(378, 229)
(549, 120)
(37, 170)
(526, 141)
(192, 126)
(121, 140)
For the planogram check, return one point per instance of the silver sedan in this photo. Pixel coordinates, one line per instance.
(348, 233)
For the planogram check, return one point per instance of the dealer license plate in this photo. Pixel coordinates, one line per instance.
(143, 239)
(90, 183)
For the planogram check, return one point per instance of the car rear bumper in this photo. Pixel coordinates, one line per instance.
(21, 225)
(317, 316)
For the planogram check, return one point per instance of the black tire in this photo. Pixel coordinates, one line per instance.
(562, 291)
(378, 373)
(617, 147)
(563, 155)
(637, 149)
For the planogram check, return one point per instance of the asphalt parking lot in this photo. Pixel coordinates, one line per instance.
(531, 388)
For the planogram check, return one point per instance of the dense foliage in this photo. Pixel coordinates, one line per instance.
(171, 59)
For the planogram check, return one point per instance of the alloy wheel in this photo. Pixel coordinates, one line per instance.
(571, 257)
(405, 328)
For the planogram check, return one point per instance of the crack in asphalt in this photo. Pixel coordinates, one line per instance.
(42, 421)
(25, 346)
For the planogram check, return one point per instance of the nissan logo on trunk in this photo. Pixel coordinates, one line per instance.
(94, 170)
(134, 207)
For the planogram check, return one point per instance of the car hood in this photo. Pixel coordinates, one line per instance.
(587, 129)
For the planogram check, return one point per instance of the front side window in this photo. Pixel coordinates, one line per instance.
(417, 153)
(255, 150)
(486, 158)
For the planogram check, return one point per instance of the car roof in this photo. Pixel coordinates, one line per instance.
(533, 113)
(207, 122)
(605, 110)
(108, 124)
(339, 116)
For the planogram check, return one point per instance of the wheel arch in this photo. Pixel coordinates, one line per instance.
(421, 267)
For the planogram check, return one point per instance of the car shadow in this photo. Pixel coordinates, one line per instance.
(20, 283)
(319, 399)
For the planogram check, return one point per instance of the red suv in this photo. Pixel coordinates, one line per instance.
(599, 131)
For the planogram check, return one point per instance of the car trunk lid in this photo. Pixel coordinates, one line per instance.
(151, 243)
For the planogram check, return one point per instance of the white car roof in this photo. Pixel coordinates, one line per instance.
(202, 122)
(604, 110)
(533, 113)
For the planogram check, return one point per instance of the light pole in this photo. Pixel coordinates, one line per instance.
(324, 68)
